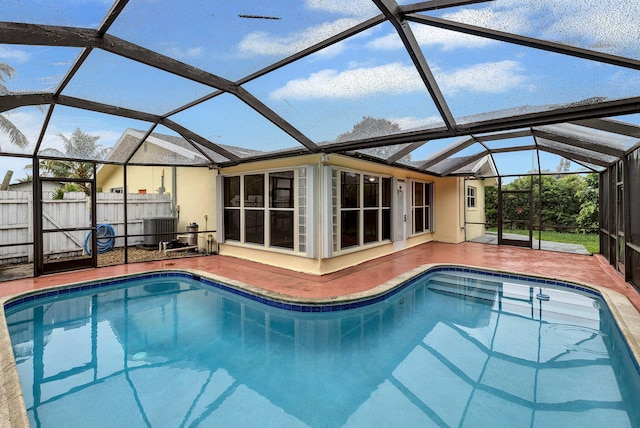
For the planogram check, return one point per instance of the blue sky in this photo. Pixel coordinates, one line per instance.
(328, 92)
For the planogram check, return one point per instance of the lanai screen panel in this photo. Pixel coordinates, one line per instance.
(226, 120)
(29, 121)
(86, 14)
(114, 80)
(234, 39)
(36, 68)
(607, 26)
(350, 91)
(83, 134)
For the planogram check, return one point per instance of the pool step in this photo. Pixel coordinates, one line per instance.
(470, 287)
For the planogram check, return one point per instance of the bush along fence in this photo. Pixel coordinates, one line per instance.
(74, 210)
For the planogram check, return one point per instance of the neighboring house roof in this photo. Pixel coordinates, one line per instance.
(483, 167)
(176, 150)
(28, 185)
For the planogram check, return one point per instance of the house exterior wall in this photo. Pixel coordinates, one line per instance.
(195, 194)
(447, 216)
(198, 194)
(449, 210)
(476, 215)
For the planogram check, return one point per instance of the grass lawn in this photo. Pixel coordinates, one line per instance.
(590, 241)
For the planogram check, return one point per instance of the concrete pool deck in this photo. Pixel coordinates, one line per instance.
(360, 280)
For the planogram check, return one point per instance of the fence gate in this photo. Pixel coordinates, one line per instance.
(515, 216)
(65, 227)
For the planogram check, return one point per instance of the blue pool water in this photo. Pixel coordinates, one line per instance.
(448, 349)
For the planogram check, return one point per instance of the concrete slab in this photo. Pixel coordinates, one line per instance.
(492, 238)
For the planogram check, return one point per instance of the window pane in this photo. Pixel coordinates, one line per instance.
(427, 194)
(281, 189)
(370, 226)
(418, 219)
(349, 229)
(254, 190)
(620, 209)
(417, 194)
(371, 189)
(231, 191)
(350, 190)
(427, 218)
(386, 224)
(281, 229)
(254, 226)
(386, 192)
(232, 225)
(471, 197)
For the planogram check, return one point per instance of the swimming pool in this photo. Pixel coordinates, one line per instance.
(450, 347)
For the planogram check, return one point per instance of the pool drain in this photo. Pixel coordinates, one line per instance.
(139, 356)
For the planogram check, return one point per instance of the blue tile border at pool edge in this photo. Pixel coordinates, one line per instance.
(296, 307)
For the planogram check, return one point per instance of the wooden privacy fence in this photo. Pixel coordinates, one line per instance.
(16, 221)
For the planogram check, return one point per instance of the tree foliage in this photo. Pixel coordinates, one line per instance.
(16, 137)
(79, 146)
(370, 127)
(569, 201)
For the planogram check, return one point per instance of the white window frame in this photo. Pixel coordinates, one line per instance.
(305, 181)
(426, 205)
(337, 210)
(472, 195)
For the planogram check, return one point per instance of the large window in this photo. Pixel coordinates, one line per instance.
(365, 209)
(248, 219)
(421, 207)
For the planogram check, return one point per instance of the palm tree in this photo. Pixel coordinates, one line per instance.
(79, 146)
(16, 137)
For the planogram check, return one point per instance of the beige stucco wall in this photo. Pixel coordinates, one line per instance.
(477, 214)
(195, 190)
(449, 212)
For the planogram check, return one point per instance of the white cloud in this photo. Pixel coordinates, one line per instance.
(604, 25)
(430, 36)
(490, 77)
(599, 29)
(262, 43)
(8, 55)
(448, 40)
(392, 78)
(359, 8)
(396, 78)
(514, 20)
(179, 53)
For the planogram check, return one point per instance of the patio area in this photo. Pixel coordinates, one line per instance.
(590, 270)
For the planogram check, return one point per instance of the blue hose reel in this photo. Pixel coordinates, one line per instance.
(105, 236)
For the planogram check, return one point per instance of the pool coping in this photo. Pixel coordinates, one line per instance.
(13, 410)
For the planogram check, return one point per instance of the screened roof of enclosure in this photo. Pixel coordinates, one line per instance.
(432, 86)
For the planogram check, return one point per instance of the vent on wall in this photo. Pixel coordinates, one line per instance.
(164, 226)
